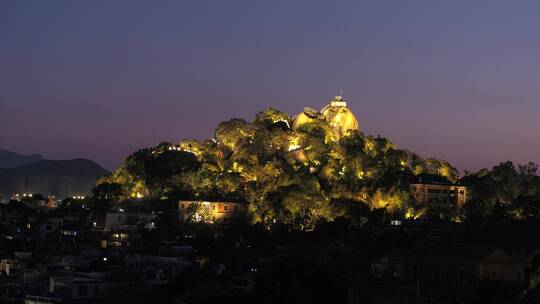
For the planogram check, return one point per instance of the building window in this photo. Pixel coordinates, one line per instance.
(235, 209)
(461, 192)
(214, 207)
(225, 207)
(183, 206)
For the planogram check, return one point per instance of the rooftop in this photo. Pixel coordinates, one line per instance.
(433, 179)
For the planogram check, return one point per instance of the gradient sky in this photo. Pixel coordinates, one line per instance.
(458, 80)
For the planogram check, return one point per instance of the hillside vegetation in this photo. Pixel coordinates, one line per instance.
(297, 177)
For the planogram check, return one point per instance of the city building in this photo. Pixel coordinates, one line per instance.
(435, 189)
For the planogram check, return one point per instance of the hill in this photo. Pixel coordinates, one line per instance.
(9, 159)
(296, 172)
(59, 177)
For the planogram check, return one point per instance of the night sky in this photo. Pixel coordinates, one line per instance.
(458, 80)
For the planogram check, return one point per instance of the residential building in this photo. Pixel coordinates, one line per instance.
(437, 190)
(211, 212)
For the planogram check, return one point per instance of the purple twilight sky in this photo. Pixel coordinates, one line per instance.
(458, 80)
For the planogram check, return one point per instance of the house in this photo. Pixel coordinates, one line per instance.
(75, 286)
(437, 190)
(115, 220)
(211, 212)
(460, 268)
(160, 267)
(41, 300)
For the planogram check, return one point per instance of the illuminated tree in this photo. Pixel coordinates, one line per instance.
(273, 118)
(231, 133)
(437, 167)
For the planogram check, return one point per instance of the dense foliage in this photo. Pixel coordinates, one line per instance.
(503, 193)
(296, 177)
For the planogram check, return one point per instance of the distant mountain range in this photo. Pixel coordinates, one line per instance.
(10, 159)
(34, 174)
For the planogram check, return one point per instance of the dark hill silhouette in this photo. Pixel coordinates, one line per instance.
(62, 178)
(9, 159)
(73, 167)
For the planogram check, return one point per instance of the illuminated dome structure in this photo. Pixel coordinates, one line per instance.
(309, 115)
(336, 113)
(340, 117)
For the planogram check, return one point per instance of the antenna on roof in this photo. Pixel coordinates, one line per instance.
(340, 92)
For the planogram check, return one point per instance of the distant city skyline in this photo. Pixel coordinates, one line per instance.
(451, 80)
